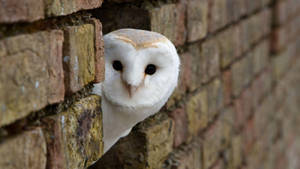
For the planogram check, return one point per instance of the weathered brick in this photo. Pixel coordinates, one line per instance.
(242, 73)
(32, 74)
(65, 7)
(217, 15)
(261, 86)
(210, 56)
(243, 107)
(235, 9)
(211, 146)
(188, 156)
(197, 112)
(26, 150)
(229, 43)
(74, 137)
(79, 56)
(197, 19)
(227, 86)
(149, 144)
(227, 124)
(248, 135)
(282, 61)
(254, 28)
(99, 51)
(215, 98)
(181, 126)
(236, 156)
(262, 115)
(169, 20)
(20, 11)
(260, 56)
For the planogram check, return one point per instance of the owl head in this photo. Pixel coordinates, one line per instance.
(141, 68)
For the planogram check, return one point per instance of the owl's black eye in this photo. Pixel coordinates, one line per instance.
(117, 65)
(150, 69)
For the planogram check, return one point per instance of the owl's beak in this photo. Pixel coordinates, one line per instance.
(132, 90)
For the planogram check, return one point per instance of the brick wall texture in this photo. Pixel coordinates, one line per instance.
(237, 104)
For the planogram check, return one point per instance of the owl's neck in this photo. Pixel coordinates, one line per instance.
(118, 121)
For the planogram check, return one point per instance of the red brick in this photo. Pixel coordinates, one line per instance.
(99, 51)
(26, 150)
(197, 19)
(181, 126)
(243, 107)
(227, 83)
(33, 74)
(248, 136)
(21, 11)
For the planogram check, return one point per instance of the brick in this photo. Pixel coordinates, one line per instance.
(243, 107)
(79, 56)
(236, 156)
(33, 74)
(227, 86)
(254, 28)
(197, 112)
(262, 115)
(241, 74)
(74, 137)
(227, 124)
(217, 15)
(211, 146)
(281, 12)
(210, 55)
(196, 70)
(169, 20)
(260, 56)
(197, 19)
(261, 86)
(99, 51)
(21, 11)
(181, 126)
(149, 145)
(229, 43)
(281, 62)
(248, 135)
(189, 156)
(235, 9)
(65, 7)
(215, 98)
(252, 5)
(26, 150)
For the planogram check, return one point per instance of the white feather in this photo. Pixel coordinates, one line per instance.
(135, 49)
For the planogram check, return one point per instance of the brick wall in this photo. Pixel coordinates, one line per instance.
(236, 106)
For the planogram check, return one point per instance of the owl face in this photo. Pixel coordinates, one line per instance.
(139, 72)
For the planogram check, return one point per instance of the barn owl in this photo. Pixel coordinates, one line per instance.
(141, 72)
